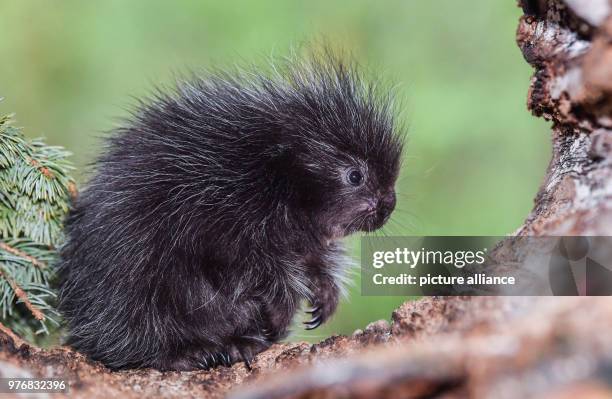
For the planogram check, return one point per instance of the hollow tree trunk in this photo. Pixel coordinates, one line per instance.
(451, 347)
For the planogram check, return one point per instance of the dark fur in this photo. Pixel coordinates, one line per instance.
(218, 208)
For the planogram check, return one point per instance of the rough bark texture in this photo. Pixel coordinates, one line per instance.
(448, 347)
(570, 46)
(411, 352)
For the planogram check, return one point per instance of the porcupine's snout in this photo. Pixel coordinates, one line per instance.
(379, 211)
(385, 206)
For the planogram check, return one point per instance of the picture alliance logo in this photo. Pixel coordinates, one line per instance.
(581, 266)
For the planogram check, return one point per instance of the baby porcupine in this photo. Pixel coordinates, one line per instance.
(218, 208)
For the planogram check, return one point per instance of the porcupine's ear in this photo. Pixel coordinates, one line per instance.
(280, 157)
(280, 147)
(282, 174)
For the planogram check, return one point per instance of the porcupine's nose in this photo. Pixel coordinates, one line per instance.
(386, 205)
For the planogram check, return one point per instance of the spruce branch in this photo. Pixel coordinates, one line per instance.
(22, 254)
(35, 193)
(22, 296)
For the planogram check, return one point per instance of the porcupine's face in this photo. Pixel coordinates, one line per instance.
(350, 186)
(341, 149)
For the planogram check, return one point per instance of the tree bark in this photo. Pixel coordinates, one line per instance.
(569, 43)
(448, 346)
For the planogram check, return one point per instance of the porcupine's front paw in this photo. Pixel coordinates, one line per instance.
(325, 295)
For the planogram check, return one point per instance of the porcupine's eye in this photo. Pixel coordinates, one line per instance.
(354, 177)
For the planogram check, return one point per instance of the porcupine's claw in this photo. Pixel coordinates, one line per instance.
(207, 361)
(323, 301)
(247, 357)
(244, 349)
(313, 310)
(314, 322)
(203, 364)
(226, 360)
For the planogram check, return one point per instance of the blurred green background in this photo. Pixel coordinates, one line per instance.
(475, 156)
